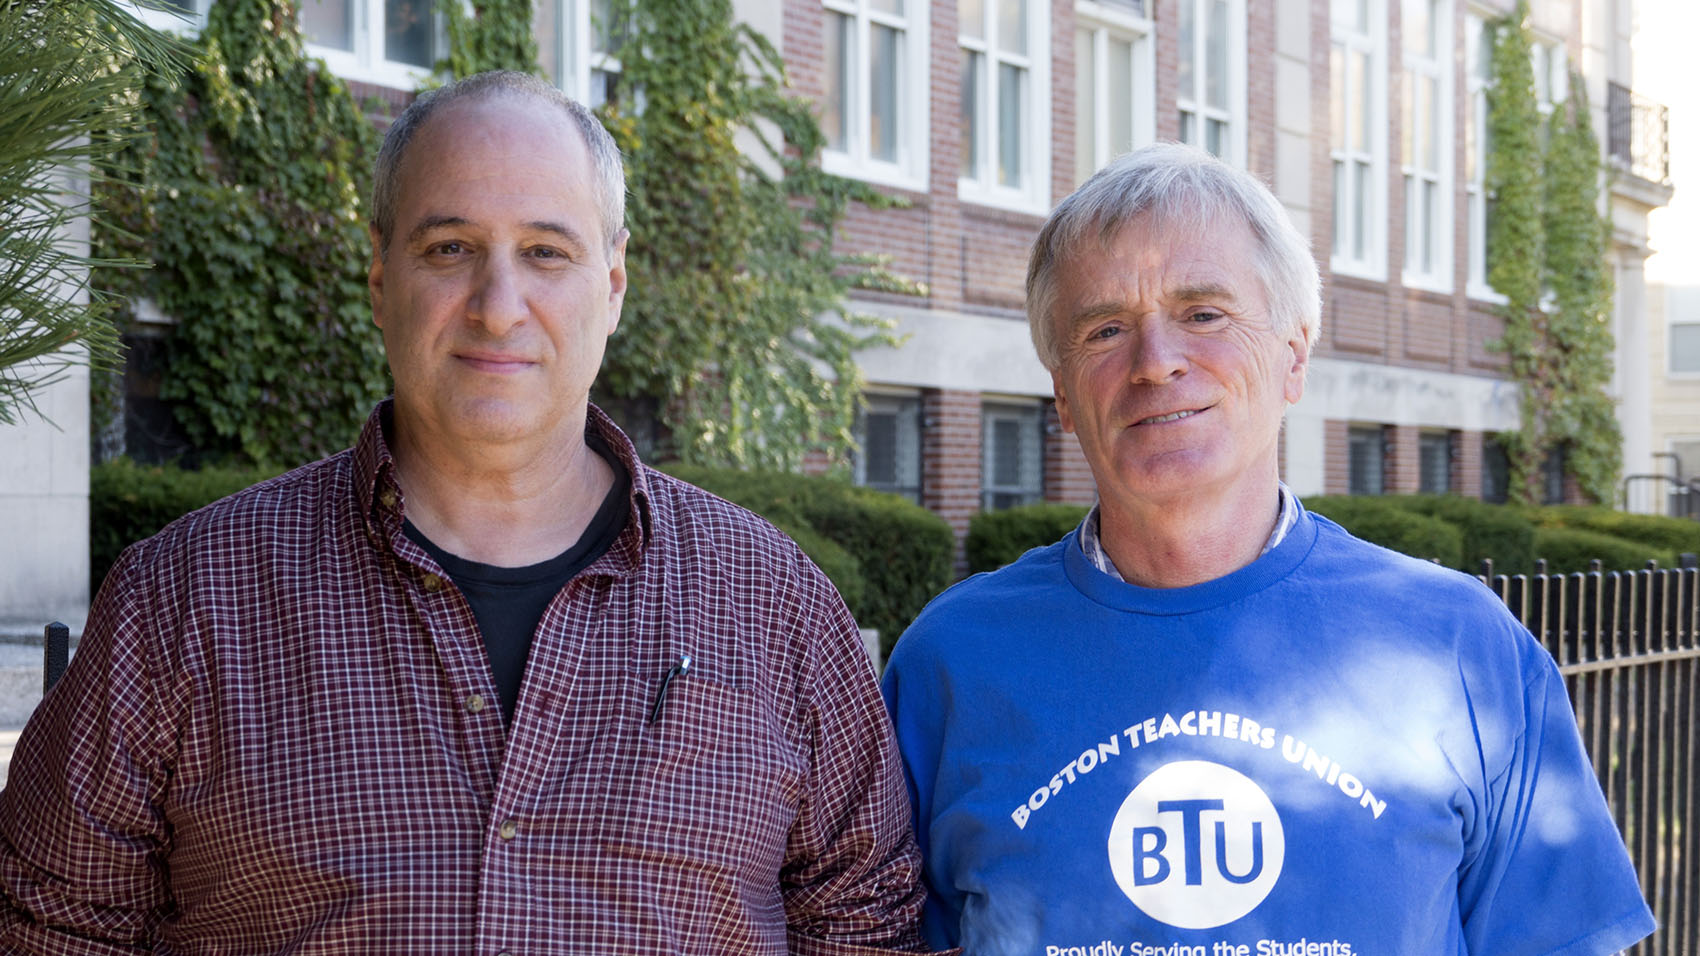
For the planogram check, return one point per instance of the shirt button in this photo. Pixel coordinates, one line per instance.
(475, 703)
(387, 498)
(433, 583)
(509, 830)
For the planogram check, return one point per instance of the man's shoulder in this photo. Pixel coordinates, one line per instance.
(697, 521)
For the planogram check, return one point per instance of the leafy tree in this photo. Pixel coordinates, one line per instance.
(1547, 247)
(736, 321)
(68, 69)
(247, 194)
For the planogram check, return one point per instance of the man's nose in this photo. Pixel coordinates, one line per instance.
(498, 300)
(1157, 354)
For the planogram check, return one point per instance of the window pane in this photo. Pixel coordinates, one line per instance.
(971, 18)
(970, 120)
(1011, 81)
(1431, 194)
(1496, 472)
(835, 71)
(882, 92)
(1012, 26)
(1215, 136)
(1085, 106)
(1417, 28)
(1684, 347)
(1120, 95)
(409, 32)
(894, 7)
(1407, 147)
(1339, 206)
(604, 87)
(1337, 104)
(879, 448)
(1413, 231)
(1538, 54)
(1434, 464)
(1359, 91)
(545, 22)
(324, 22)
(1363, 464)
(1189, 128)
(1360, 210)
(1426, 105)
(1186, 71)
(1216, 57)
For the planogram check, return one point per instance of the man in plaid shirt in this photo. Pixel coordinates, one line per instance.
(483, 683)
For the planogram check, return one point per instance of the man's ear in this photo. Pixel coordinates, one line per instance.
(1065, 415)
(1294, 385)
(375, 278)
(617, 279)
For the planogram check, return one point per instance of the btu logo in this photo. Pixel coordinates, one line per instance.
(1196, 845)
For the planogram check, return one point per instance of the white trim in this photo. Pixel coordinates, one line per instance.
(1234, 117)
(170, 20)
(1373, 45)
(1441, 238)
(1102, 22)
(1034, 193)
(1475, 190)
(911, 99)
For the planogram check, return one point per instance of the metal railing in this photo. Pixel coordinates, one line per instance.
(1638, 134)
(1674, 497)
(1626, 644)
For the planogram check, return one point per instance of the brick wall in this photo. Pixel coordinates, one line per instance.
(1467, 463)
(1401, 475)
(950, 458)
(1335, 456)
(1067, 476)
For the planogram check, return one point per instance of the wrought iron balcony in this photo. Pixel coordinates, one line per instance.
(1638, 134)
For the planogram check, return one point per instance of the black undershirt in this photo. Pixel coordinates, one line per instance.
(509, 602)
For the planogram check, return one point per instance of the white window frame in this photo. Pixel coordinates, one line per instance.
(1030, 416)
(912, 100)
(1477, 50)
(1344, 40)
(578, 61)
(1440, 240)
(1672, 323)
(982, 187)
(1192, 101)
(1102, 22)
(366, 63)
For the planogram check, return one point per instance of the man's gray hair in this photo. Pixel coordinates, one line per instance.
(1182, 186)
(610, 175)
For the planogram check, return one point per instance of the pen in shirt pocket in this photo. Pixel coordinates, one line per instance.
(680, 669)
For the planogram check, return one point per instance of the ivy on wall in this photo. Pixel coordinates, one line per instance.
(246, 192)
(1547, 257)
(737, 319)
(488, 35)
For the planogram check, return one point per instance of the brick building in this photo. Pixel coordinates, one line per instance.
(1365, 116)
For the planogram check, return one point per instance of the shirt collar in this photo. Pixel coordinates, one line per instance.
(382, 502)
(1093, 545)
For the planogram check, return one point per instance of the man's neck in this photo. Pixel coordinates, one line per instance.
(1175, 544)
(503, 505)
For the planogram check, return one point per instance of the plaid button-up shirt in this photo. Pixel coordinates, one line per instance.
(280, 734)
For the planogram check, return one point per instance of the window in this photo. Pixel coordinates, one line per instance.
(1114, 81)
(1426, 27)
(1478, 54)
(1434, 463)
(1551, 66)
(1685, 346)
(1012, 465)
(888, 436)
(874, 108)
(1211, 75)
(576, 45)
(1357, 64)
(1005, 87)
(391, 42)
(1496, 472)
(1365, 457)
(1552, 477)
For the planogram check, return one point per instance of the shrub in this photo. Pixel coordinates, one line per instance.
(1572, 549)
(1504, 535)
(129, 502)
(995, 538)
(1656, 531)
(904, 550)
(1379, 520)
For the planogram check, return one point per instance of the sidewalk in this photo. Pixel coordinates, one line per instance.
(20, 691)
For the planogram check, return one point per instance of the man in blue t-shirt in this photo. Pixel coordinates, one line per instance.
(1209, 723)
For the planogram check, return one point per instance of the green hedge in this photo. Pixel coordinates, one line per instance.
(904, 550)
(1573, 549)
(1503, 535)
(995, 538)
(1379, 520)
(1676, 534)
(129, 502)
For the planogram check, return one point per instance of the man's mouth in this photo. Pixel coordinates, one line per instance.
(1171, 417)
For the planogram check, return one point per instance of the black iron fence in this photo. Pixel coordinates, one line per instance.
(1626, 644)
(1637, 134)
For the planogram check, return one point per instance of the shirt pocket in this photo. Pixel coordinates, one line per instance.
(706, 790)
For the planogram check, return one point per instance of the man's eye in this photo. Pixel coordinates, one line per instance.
(1205, 316)
(447, 249)
(1107, 332)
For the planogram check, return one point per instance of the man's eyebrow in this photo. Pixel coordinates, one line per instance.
(560, 229)
(1199, 291)
(430, 223)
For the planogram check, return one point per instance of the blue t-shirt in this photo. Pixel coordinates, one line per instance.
(1336, 750)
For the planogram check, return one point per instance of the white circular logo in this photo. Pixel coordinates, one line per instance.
(1196, 845)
